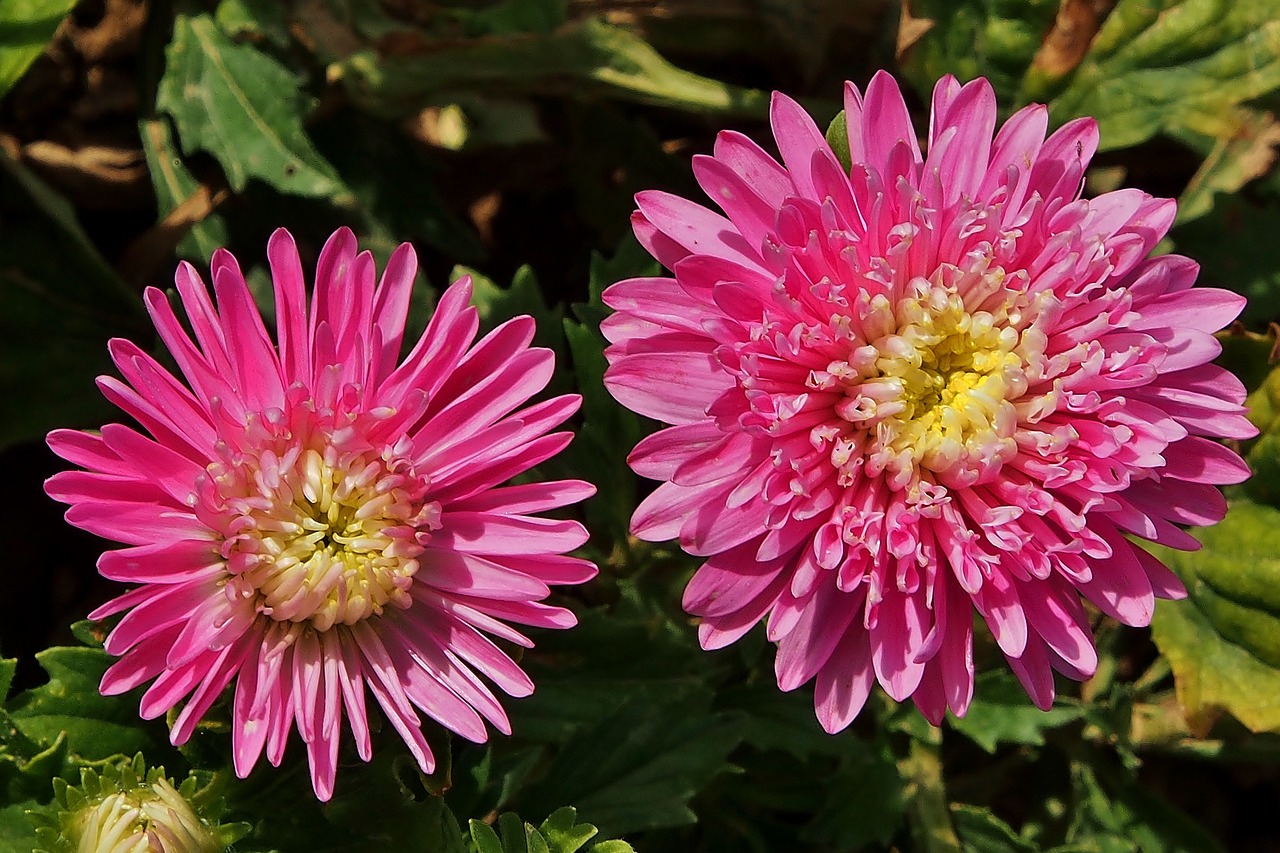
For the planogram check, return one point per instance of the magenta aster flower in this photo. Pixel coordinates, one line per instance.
(314, 518)
(918, 387)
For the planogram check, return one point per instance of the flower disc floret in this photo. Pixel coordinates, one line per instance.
(918, 385)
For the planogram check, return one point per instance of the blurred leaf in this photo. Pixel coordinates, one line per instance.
(871, 779)
(1161, 64)
(588, 673)
(96, 727)
(1235, 247)
(513, 16)
(26, 26)
(255, 19)
(981, 831)
(1127, 818)
(996, 39)
(244, 108)
(173, 185)
(1247, 355)
(581, 59)
(1240, 148)
(609, 431)
(1223, 641)
(1001, 713)
(16, 830)
(393, 183)
(61, 302)
(559, 833)
(637, 768)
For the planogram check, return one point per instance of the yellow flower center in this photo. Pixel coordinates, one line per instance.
(325, 536)
(930, 387)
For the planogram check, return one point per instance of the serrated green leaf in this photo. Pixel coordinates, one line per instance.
(1223, 641)
(981, 831)
(96, 727)
(564, 833)
(638, 768)
(871, 778)
(26, 26)
(245, 109)
(1161, 64)
(8, 666)
(61, 303)
(1001, 712)
(613, 845)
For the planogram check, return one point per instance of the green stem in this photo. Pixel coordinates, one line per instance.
(926, 797)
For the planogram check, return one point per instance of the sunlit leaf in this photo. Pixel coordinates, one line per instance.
(244, 108)
(1223, 641)
(26, 26)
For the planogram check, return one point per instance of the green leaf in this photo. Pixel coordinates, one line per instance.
(1237, 149)
(393, 183)
(838, 139)
(1233, 244)
(564, 833)
(1161, 64)
(245, 109)
(584, 58)
(61, 303)
(16, 830)
(1001, 712)
(1223, 641)
(609, 431)
(638, 768)
(871, 778)
(96, 727)
(8, 666)
(996, 39)
(26, 26)
(981, 831)
(485, 838)
(1122, 817)
(174, 184)
(254, 19)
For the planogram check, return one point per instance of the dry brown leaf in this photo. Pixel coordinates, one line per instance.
(910, 29)
(1073, 31)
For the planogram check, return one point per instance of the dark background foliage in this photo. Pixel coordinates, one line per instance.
(509, 138)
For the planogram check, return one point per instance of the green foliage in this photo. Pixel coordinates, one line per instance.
(1161, 64)
(588, 57)
(242, 107)
(69, 706)
(1222, 640)
(1001, 713)
(61, 302)
(25, 28)
(559, 833)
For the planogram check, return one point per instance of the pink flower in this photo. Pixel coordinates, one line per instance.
(314, 517)
(919, 387)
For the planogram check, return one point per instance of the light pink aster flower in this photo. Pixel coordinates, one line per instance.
(315, 517)
(919, 387)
